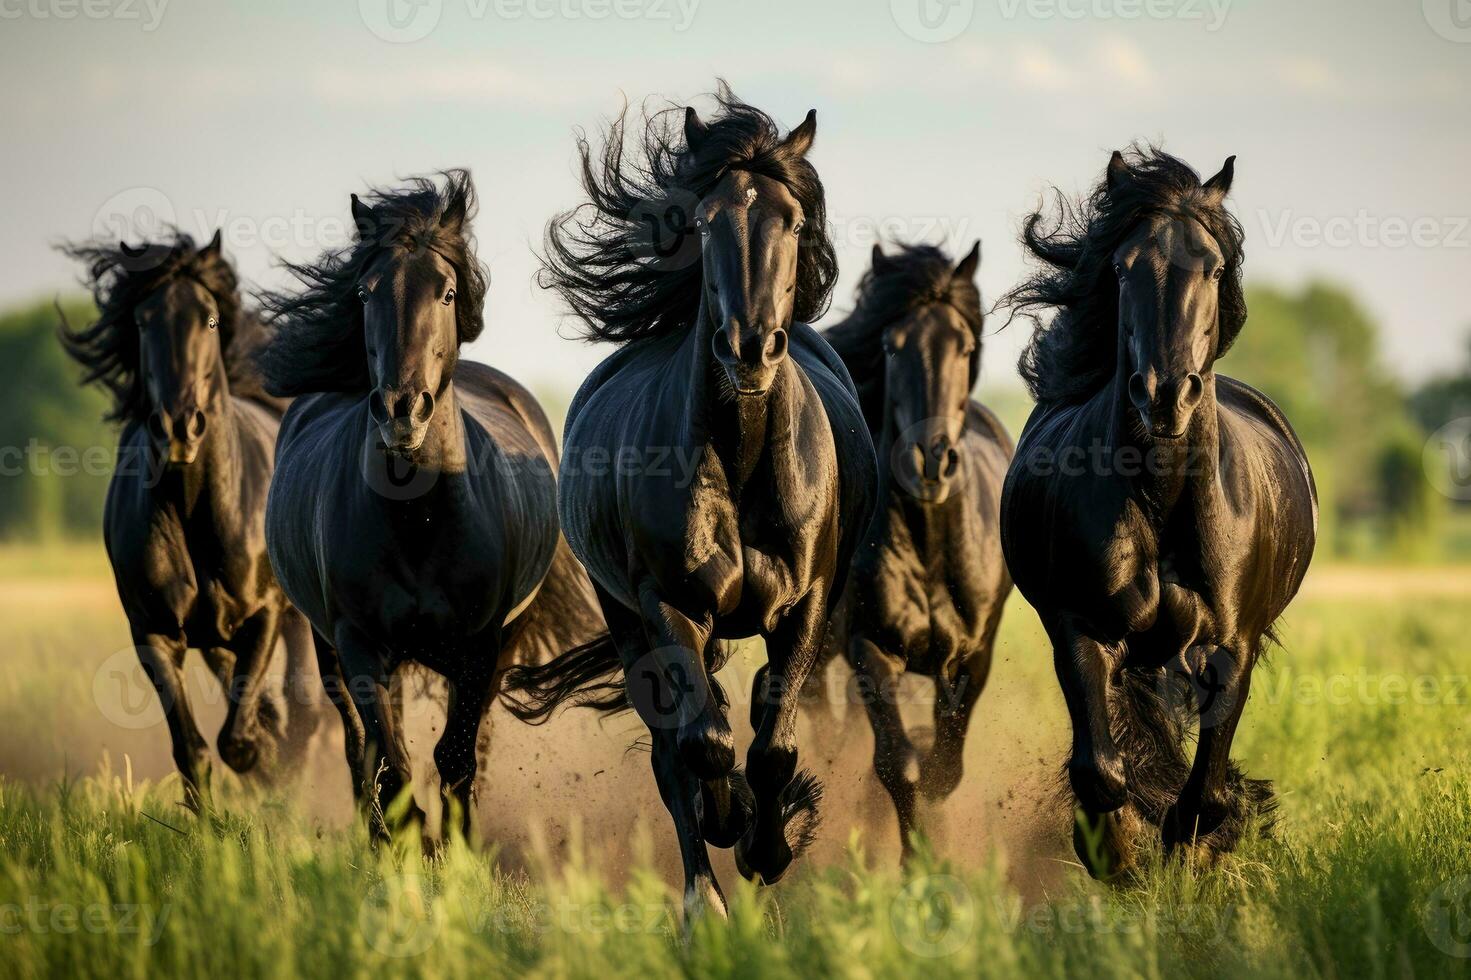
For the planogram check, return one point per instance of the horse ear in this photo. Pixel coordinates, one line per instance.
(880, 260)
(1118, 170)
(453, 218)
(695, 129)
(800, 139)
(968, 265)
(363, 217)
(1220, 184)
(212, 249)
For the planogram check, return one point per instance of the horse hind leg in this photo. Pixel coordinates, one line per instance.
(303, 679)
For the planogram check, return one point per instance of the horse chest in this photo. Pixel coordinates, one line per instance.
(917, 606)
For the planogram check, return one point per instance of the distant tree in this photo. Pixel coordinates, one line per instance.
(1444, 398)
(1316, 353)
(55, 452)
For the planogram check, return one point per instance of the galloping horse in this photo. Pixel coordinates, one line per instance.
(185, 513)
(413, 514)
(1158, 515)
(929, 582)
(704, 262)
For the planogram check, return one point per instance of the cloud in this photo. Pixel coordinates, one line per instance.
(1037, 68)
(1123, 60)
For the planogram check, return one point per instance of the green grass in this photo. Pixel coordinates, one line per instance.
(1364, 720)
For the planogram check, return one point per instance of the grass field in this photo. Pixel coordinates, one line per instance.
(1363, 719)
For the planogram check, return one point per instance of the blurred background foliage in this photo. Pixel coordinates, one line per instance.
(1313, 350)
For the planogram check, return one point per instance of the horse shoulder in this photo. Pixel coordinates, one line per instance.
(1240, 402)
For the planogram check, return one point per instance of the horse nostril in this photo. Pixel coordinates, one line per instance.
(377, 406)
(1141, 391)
(197, 424)
(776, 346)
(952, 461)
(721, 345)
(1191, 391)
(423, 407)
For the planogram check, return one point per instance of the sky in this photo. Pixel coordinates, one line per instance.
(938, 120)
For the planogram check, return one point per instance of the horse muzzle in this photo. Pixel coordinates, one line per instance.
(402, 436)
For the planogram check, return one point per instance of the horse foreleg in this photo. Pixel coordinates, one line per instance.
(894, 757)
(456, 753)
(955, 703)
(253, 644)
(162, 658)
(1105, 827)
(384, 772)
(671, 688)
(782, 800)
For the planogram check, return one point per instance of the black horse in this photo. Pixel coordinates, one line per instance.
(1159, 516)
(413, 514)
(929, 583)
(737, 475)
(185, 514)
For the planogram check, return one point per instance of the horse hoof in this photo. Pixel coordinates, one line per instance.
(703, 896)
(1106, 843)
(240, 754)
(740, 811)
(758, 868)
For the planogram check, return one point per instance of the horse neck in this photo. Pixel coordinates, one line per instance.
(739, 429)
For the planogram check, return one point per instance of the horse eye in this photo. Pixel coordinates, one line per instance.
(449, 297)
(797, 228)
(1218, 273)
(213, 323)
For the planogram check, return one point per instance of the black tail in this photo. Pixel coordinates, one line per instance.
(589, 676)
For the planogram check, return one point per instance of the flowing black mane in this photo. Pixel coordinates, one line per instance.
(319, 343)
(623, 260)
(912, 277)
(120, 277)
(1075, 354)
